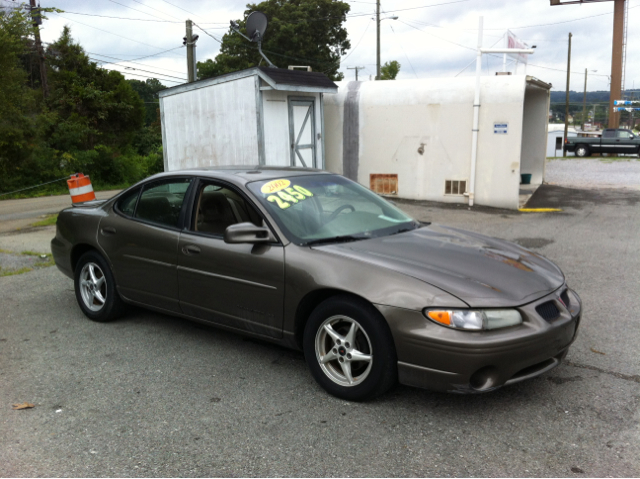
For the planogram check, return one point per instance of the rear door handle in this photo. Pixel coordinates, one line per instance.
(190, 250)
(108, 230)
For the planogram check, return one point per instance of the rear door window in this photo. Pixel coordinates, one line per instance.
(161, 201)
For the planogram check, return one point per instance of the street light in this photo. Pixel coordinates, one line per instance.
(378, 20)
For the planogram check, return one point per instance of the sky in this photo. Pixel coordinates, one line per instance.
(430, 38)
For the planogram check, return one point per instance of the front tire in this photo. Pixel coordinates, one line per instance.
(582, 151)
(349, 349)
(95, 288)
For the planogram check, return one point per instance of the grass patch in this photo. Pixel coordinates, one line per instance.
(47, 221)
(45, 260)
(9, 272)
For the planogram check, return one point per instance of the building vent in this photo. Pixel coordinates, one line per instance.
(384, 184)
(455, 187)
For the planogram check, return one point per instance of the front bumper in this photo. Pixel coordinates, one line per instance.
(433, 357)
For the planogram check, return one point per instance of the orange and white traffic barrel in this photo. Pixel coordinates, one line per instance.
(80, 188)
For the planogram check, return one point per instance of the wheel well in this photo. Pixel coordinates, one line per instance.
(309, 303)
(77, 251)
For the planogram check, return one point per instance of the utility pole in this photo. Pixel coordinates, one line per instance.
(37, 21)
(378, 39)
(566, 107)
(190, 41)
(584, 99)
(356, 69)
(616, 61)
(617, 54)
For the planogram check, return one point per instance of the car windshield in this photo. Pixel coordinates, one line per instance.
(325, 208)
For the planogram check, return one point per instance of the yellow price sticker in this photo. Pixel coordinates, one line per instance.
(285, 196)
(275, 185)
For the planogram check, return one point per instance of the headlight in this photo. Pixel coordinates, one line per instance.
(474, 319)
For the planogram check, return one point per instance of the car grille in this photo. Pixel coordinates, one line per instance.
(549, 311)
(565, 298)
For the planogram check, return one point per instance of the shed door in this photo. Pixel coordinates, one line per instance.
(302, 132)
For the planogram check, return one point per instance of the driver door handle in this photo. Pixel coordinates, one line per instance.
(190, 250)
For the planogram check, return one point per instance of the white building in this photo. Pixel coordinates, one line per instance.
(413, 138)
(257, 116)
(555, 139)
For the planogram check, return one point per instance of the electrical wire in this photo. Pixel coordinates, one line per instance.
(119, 60)
(207, 33)
(137, 10)
(107, 31)
(155, 9)
(176, 6)
(147, 71)
(121, 18)
(405, 53)
(145, 76)
(134, 59)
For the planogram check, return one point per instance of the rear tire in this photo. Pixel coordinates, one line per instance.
(349, 349)
(96, 288)
(582, 151)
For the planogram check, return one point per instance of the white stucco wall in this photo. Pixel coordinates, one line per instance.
(421, 130)
(215, 125)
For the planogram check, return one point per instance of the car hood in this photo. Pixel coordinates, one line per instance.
(479, 270)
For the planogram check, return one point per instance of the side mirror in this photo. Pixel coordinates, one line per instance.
(247, 233)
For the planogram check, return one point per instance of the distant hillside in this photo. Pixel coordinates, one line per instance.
(592, 96)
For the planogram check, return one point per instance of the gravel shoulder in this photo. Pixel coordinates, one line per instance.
(594, 173)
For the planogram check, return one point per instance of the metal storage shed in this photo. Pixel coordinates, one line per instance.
(266, 116)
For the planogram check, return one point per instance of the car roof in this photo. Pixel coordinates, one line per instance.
(246, 174)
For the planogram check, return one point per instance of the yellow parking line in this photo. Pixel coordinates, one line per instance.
(539, 210)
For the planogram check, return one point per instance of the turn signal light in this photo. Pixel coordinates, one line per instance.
(443, 317)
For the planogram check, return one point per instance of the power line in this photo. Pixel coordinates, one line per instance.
(147, 71)
(160, 11)
(558, 23)
(137, 10)
(176, 6)
(107, 31)
(119, 60)
(121, 18)
(405, 53)
(144, 76)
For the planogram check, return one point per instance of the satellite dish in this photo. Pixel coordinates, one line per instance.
(256, 26)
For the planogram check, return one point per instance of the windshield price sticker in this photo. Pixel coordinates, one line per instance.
(275, 185)
(286, 195)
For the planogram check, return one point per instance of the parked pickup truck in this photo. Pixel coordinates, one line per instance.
(613, 140)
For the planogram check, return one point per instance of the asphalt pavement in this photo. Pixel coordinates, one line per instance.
(152, 395)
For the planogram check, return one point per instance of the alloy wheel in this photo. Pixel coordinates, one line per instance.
(343, 350)
(93, 287)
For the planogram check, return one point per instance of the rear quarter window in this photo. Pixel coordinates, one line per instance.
(127, 204)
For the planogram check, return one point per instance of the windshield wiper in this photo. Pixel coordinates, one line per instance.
(414, 226)
(335, 239)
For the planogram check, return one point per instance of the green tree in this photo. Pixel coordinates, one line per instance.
(300, 32)
(390, 70)
(148, 91)
(17, 100)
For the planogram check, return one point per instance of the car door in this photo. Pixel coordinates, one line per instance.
(624, 143)
(140, 236)
(608, 142)
(235, 285)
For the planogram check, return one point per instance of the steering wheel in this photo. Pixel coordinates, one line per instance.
(339, 210)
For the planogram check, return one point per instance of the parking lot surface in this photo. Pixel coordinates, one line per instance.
(152, 395)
